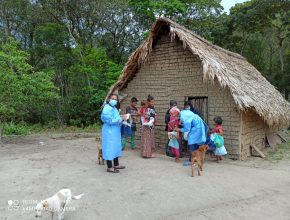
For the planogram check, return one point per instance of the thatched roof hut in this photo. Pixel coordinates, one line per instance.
(250, 91)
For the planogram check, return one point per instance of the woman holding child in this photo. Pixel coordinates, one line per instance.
(148, 118)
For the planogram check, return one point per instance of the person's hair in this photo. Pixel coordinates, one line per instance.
(218, 120)
(174, 110)
(134, 99)
(118, 101)
(187, 103)
(150, 98)
(110, 96)
(172, 103)
(143, 103)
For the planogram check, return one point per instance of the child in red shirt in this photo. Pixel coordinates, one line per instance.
(173, 135)
(143, 112)
(219, 151)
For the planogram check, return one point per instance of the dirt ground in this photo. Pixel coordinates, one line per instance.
(35, 167)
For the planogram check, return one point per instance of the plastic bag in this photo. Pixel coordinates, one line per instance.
(219, 141)
(172, 135)
(185, 136)
(126, 131)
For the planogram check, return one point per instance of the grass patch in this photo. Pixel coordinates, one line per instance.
(26, 129)
(282, 152)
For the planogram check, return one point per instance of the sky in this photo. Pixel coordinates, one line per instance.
(227, 4)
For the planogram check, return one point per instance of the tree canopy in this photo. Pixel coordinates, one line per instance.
(58, 58)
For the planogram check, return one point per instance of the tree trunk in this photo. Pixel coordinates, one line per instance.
(280, 40)
(281, 58)
(271, 60)
(244, 44)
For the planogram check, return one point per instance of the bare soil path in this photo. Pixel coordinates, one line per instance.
(35, 167)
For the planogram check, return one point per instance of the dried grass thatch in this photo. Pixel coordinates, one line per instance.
(249, 88)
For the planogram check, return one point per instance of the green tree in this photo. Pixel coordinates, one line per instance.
(260, 30)
(21, 88)
(89, 79)
(199, 16)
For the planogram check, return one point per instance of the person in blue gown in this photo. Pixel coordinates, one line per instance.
(193, 124)
(111, 134)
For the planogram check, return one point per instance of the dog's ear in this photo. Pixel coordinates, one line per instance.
(45, 204)
(204, 148)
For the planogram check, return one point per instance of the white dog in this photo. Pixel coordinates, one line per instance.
(56, 204)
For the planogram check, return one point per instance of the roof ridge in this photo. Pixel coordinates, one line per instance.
(231, 70)
(230, 53)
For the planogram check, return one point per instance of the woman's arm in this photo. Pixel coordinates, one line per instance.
(108, 117)
(186, 126)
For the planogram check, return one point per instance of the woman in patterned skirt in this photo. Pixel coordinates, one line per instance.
(148, 136)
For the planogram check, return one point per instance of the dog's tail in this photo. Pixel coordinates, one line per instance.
(78, 197)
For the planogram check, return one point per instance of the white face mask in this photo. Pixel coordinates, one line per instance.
(187, 108)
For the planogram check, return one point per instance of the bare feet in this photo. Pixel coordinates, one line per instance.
(219, 158)
(177, 160)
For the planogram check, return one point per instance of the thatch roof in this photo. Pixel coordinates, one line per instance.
(250, 90)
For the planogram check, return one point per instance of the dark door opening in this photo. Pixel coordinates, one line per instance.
(200, 103)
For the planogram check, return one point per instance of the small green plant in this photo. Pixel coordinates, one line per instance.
(16, 129)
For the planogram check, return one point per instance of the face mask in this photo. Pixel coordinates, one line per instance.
(113, 102)
(188, 108)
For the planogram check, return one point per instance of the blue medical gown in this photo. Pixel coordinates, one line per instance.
(196, 127)
(186, 114)
(111, 133)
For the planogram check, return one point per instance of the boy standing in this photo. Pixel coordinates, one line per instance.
(133, 111)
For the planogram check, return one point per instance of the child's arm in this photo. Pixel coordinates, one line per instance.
(220, 131)
(178, 135)
(170, 128)
(139, 113)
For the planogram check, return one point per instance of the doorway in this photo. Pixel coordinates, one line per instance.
(200, 103)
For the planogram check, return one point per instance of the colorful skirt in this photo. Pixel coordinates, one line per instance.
(148, 141)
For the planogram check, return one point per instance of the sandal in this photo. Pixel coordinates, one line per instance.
(111, 170)
(119, 167)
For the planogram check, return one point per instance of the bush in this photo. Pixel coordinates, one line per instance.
(23, 128)
(16, 129)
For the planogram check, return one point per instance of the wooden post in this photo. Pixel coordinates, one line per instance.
(282, 138)
(258, 150)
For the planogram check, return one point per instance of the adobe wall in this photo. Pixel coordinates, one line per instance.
(173, 73)
(254, 132)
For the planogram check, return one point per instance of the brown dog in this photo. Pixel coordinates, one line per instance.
(100, 157)
(100, 152)
(198, 156)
